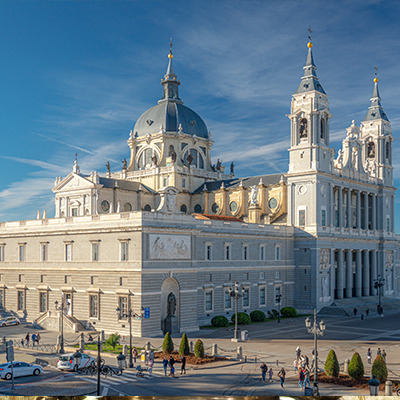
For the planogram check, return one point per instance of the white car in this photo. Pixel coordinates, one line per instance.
(67, 361)
(9, 321)
(19, 369)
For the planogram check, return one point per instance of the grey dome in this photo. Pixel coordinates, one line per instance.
(169, 115)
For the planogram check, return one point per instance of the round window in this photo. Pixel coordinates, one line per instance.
(128, 207)
(273, 203)
(184, 208)
(197, 209)
(105, 205)
(215, 208)
(233, 206)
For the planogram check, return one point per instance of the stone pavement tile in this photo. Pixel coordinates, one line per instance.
(55, 389)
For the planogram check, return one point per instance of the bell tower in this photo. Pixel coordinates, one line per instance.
(309, 116)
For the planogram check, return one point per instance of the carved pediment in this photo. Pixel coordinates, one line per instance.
(73, 182)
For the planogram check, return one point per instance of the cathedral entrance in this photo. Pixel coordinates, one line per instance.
(170, 306)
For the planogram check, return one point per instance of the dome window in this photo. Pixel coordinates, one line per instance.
(147, 208)
(184, 208)
(198, 209)
(193, 157)
(128, 207)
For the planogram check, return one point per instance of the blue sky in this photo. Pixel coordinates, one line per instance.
(75, 76)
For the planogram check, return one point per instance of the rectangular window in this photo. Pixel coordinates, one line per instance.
(21, 252)
(43, 252)
(262, 295)
(245, 252)
(21, 300)
(229, 276)
(65, 278)
(68, 252)
(208, 251)
(42, 278)
(43, 301)
(388, 224)
(183, 183)
(277, 275)
(165, 181)
(262, 252)
(123, 306)
(20, 278)
(336, 218)
(124, 251)
(262, 275)
(227, 252)
(323, 217)
(208, 300)
(74, 212)
(94, 306)
(1, 253)
(302, 217)
(246, 297)
(277, 253)
(2, 304)
(227, 299)
(95, 251)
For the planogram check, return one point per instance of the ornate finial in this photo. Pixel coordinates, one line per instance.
(76, 157)
(376, 73)
(170, 55)
(309, 44)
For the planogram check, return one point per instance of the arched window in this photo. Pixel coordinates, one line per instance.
(322, 128)
(371, 150)
(171, 150)
(184, 208)
(147, 208)
(193, 157)
(388, 151)
(303, 128)
(197, 209)
(145, 159)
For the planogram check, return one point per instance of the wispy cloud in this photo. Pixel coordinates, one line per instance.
(35, 163)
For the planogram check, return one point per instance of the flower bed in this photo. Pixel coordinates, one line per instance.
(190, 359)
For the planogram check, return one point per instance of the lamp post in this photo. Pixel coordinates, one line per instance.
(317, 331)
(128, 314)
(278, 298)
(378, 284)
(236, 292)
(61, 310)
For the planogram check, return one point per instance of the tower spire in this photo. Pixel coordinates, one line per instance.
(375, 110)
(309, 80)
(170, 81)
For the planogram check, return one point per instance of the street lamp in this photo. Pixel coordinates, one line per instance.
(373, 386)
(278, 298)
(128, 314)
(317, 331)
(378, 284)
(236, 292)
(61, 310)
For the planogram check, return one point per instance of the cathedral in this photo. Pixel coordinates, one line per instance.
(165, 238)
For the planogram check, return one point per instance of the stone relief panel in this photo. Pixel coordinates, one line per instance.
(169, 247)
(324, 258)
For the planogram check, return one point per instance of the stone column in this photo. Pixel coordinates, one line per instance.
(349, 219)
(332, 209)
(349, 274)
(366, 218)
(374, 272)
(340, 206)
(358, 209)
(340, 273)
(358, 273)
(373, 217)
(365, 275)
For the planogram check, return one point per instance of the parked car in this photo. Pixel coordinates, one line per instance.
(9, 321)
(19, 369)
(67, 361)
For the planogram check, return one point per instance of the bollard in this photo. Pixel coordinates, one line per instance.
(277, 363)
(214, 349)
(191, 344)
(346, 366)
(388, 388)
(245, 359)
(125, 350)
(239, 353)
(147, 346)
(255, 360)
(82, 343)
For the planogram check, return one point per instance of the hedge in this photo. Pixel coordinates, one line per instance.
(243, 318)
(356, 367)
(288, 312)
(379, 369)
(168, 345)
(199, 349)
(257, 316)
(219, 320)
(332, 364)
(184, 349)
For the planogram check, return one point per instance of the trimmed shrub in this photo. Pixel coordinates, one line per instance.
(258, 316)
(332, 364)
(113, 340)
(184, 349)
(243, 318)
(273, 314)
(356, 367)
(288, 312)
(168, 345)
(220, 320)
(379, 369)
(199, 349)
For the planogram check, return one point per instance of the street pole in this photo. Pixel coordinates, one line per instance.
(235, 335)
(130, 339)
(98, 365)
(315, 354)
(62, 351)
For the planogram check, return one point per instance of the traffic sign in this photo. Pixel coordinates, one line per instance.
(10, 351)
(146, 312)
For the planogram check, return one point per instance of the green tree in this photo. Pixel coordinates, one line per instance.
(168, 345)
(332, 364)
(243, 318)
(379, 369)
(184, 349)
(113, 340)
(356, 367)
(219, 320)
(199, 349)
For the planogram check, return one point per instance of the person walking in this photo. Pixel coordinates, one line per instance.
(355, 311)
(298, 352)
(134, 355)
(264, 370)
(38, 338)
(165, 365)
(306, 362)
(171, 365)
(270, 373)
(150, 364)
(282, 375)
(369, 355)
(301, 378)
(33, 339)
(384, 355)
(183, 365)
(307, 378)
(295, 365)
(27, 337)
(378, 352)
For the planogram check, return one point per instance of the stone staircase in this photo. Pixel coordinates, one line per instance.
(50, 320)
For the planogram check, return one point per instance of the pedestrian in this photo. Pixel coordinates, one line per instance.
(22, 342)
(33, 339)
(264, 370)
(150, 366)
(171, 365)
(378, 352)
(306, 362)
(355, 311)
(165, 365)
(295, 365)
(183, 365)
(134, 355)
(282, 375)
(369, 355)
(384, 355)
(301, 378)
(307, 378)
(38, 338)
(298, 352)
(367, 312)
(270, 373)
(27, 337)
(90, 338)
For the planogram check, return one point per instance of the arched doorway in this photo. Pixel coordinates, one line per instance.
(170, 306)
